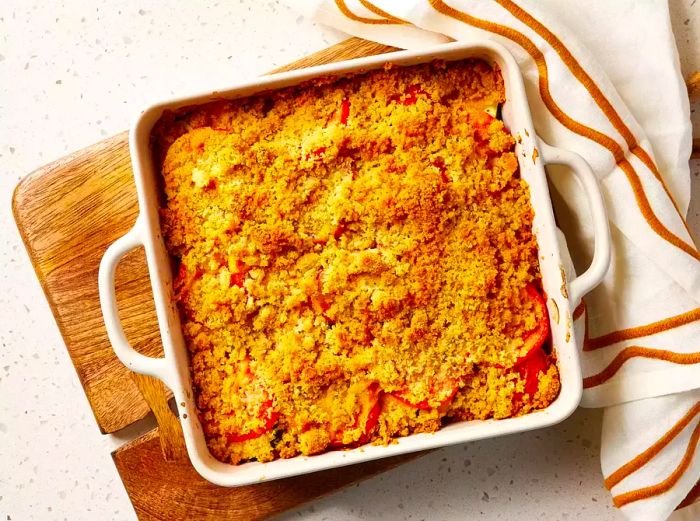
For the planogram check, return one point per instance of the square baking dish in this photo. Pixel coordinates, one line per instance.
(562, 295)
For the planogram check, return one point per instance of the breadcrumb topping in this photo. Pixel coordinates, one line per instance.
(354, 261)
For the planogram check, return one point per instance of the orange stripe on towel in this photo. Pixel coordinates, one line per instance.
(591, 344)
(582, 76)
(644, 157)
(648, 212)
(342, 6)
(604, 140)
(646, 456)
(380, 12)
(638, 351)
(666, 485)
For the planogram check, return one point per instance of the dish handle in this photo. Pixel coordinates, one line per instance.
(590, 278)
(131, 358)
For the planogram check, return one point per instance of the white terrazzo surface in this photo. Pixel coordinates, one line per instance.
(73, 72)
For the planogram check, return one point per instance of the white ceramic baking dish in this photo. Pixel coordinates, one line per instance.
(562, 295)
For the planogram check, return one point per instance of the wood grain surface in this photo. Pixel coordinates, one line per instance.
(162, 491)
(172, 441)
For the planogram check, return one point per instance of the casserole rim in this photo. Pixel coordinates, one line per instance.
(174, 368)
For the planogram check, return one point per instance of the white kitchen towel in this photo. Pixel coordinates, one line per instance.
(603, 80)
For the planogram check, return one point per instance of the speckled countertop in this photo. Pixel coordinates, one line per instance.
(75, 71)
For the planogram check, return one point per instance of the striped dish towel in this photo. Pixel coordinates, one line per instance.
(603, 80)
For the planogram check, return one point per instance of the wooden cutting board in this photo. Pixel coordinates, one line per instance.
(68, 212)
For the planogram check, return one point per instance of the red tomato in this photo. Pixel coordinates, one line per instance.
(440, 164)
(481, 122)
(410, 97)
(537, 336)
(182, 283)
(367, 417)
(315, 153)
(535, 360)
(530, 366)
(270, 418)
(238, 278)
(344, 111)
(339, 230)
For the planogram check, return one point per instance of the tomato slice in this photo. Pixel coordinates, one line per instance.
(370, 422)
(366, 417)
(536, 337)
(339, 230)
(481, 122)
(183, 281)
(238, 278)
(267, 414)
(410, 97)
(530, 367)
(535, 360)
(256, 400)
(439, 163)
(318, 152)
(344, 111)
(444, 393)
(481, 119)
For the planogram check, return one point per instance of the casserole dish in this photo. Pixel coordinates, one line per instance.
(173, 369)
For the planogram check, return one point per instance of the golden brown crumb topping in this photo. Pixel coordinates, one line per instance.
(356, 261)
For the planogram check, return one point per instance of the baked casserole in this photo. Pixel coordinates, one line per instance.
(355, 261)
